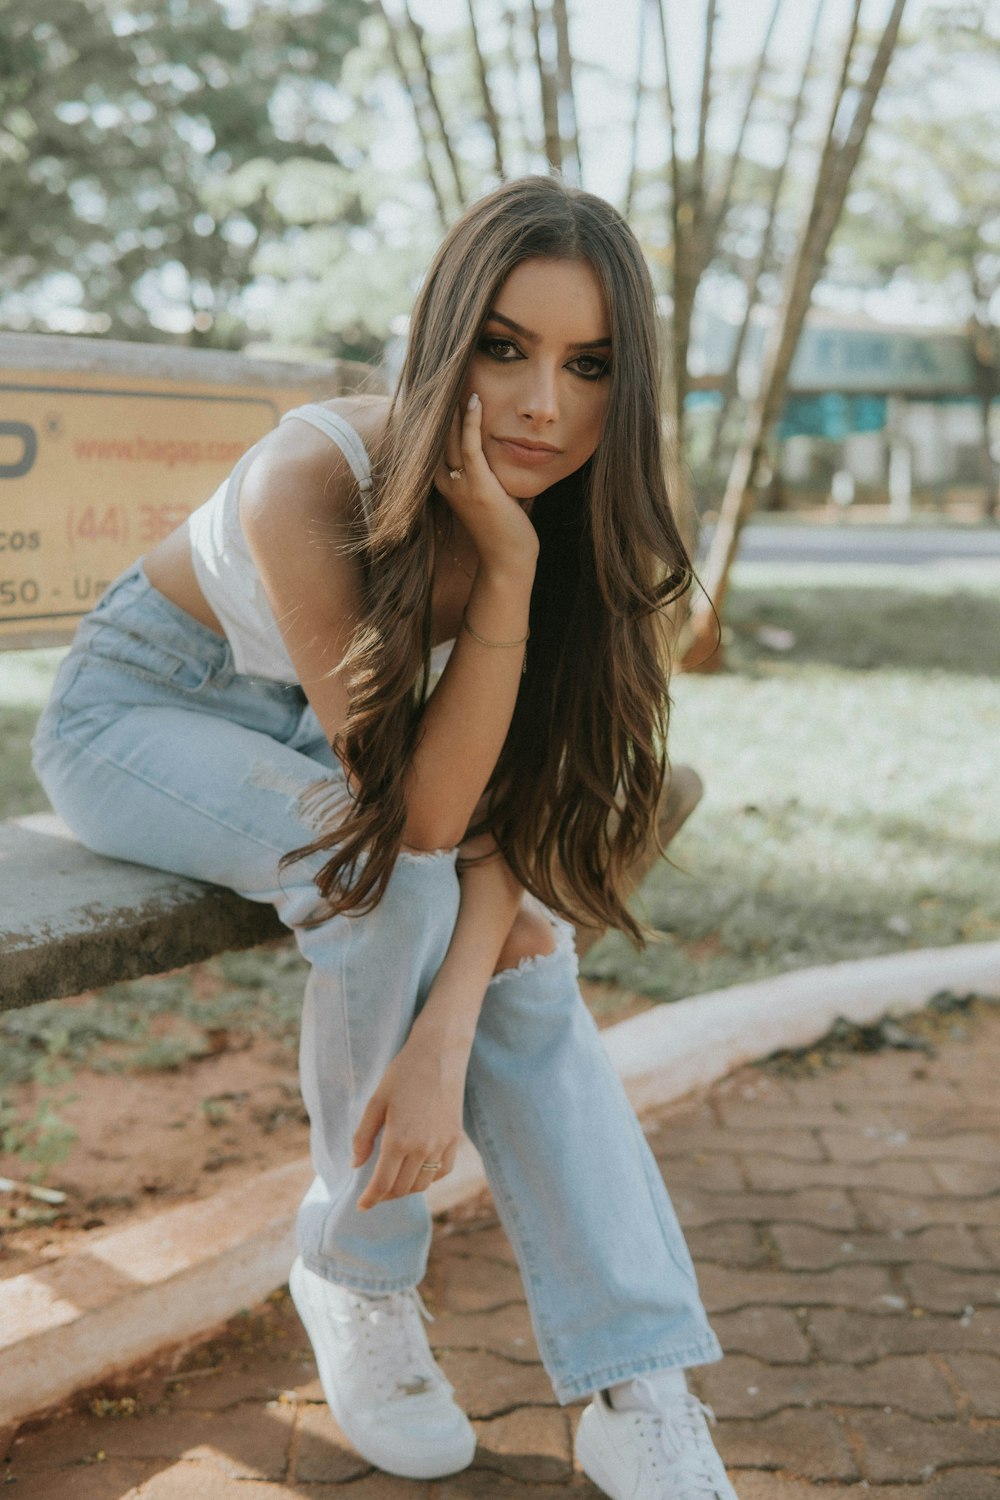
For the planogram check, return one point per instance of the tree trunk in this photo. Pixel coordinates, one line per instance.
(489, 108)
(426, 138)
(640, 93)
(416, 32)
(715, 213)
(730, 382)
(520, 113)
(698, 648)
(548, 93)
(687, 200)
(568, 125)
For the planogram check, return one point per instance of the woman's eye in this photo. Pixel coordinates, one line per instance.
(594, 366)
(501, 349)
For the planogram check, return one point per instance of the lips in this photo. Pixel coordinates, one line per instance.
(526, 451)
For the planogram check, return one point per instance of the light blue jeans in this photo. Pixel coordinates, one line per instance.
(153, 749)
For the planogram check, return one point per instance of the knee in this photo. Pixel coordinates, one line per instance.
(531, 936)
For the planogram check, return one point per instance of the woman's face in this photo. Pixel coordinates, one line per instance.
(542, 370)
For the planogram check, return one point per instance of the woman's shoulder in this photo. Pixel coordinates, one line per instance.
(367, 414)
(298, 468)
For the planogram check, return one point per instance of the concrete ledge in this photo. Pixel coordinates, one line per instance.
(138, 1290)
(665, 1053)
(73, 920)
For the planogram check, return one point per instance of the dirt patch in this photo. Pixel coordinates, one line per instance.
(149, 1139)
(158, 1093)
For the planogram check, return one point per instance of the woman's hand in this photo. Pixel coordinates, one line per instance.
(498, 524)
(418, 1108)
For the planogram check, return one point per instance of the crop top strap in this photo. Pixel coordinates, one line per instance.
(347, 440)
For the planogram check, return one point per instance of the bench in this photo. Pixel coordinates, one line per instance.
(73, 920)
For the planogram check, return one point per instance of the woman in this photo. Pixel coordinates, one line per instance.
(509, 500)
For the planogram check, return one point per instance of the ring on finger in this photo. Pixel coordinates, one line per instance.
(456, 473)
(431, 1166)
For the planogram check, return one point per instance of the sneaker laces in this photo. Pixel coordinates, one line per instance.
(681, 1436)
(393, 1343)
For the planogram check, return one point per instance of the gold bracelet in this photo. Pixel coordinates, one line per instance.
(499, 645)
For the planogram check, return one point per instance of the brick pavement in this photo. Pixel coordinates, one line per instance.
(847, 1232)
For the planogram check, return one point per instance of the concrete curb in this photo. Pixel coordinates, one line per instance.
(138, 1290)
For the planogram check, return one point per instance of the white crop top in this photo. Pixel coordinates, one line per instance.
(228, 575)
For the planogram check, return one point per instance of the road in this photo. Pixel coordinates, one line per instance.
(866, 544)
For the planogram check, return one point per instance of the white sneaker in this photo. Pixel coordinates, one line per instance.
(380, 1380)
(661, 1451)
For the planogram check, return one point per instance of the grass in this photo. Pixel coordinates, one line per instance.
(850, 810)
(850, 804)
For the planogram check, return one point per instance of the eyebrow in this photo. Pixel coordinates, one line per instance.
(533, 337)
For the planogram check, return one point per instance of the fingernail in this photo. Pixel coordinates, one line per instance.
(473, 401)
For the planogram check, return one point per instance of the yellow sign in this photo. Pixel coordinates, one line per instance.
(97, 465)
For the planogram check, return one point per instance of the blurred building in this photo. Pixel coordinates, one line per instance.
(896, 409)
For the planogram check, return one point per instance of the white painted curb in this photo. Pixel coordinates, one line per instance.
(143, 1288)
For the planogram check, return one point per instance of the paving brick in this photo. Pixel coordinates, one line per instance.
(239, 1380)
(845, 1336)
(923, 1119)
(807, 1249)
(487, 1386)
(979, 1377)
(859, 1089)
(966, 1178)
(462, 1284)
(967, 1484)
(486, 1484)
(687, 1141)
(506, 1331)
(485, 1239)
(531, 1444)
(829, 1208)
(941, 1290)
(731, 1244)
(776, 1174)
(896, 1211)
(989, 1239)
(741, 1387)
(897, 1448)
(747, 1118)
(770, 1333)
(322, 1452)
(249, 1441)
(803, 1444)
(195, 1481)
(192, 1480)
(111, 1479)
(874, 1144)
(720, 1174)
(958, 1484)
(853, 1286)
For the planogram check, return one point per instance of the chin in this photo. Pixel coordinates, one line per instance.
(522, 486)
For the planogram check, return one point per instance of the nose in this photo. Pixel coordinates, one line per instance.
(539, 396)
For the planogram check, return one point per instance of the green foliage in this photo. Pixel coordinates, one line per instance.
(116, 122)
(40, 1137)
(926, 205)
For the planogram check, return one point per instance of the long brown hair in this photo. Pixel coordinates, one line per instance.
(574, 794)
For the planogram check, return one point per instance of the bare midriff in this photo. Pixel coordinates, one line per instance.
(169, 568)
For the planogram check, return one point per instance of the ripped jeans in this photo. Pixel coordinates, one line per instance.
(153, 749)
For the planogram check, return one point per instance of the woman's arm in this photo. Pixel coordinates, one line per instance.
(294, 514)
(418, 1103)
